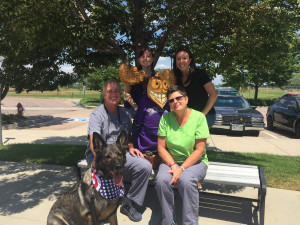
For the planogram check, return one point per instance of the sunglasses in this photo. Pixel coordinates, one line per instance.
(179, 98)
(113, 92)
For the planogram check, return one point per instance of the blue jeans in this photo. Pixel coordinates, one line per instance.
(211, 118)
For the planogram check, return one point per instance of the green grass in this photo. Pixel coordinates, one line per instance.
(52, 154)
(280, 171)
(266, 93)
(63, 93)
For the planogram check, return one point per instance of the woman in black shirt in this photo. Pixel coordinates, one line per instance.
(199, 88)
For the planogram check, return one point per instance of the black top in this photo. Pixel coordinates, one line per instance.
(196, 92)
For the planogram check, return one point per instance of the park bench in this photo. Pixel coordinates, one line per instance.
(226, 174)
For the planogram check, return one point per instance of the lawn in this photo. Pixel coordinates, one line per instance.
(266, 96)
(280, 171)
(267, 93)
(62, 93)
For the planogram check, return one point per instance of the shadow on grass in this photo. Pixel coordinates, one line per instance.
(24, 186)
(51, 154)
(72, 140)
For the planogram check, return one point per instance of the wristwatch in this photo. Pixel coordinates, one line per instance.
(182, 168)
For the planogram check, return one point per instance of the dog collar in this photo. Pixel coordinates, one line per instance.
(106, 186)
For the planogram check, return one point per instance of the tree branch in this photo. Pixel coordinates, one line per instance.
(115, 15)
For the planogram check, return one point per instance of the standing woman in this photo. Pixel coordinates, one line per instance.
(182, 138)
(199, 88)
(134, 93)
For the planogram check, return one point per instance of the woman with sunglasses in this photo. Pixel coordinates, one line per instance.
(182, 138)
(199, 88)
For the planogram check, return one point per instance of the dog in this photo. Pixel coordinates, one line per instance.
(83, 204)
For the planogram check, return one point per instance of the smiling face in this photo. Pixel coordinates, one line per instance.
(146, 59)
(177, 101)
(112, 94)
(157, 90)
(158, 86)
(183, 61)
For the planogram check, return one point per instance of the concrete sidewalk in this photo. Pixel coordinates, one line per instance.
(28, 191)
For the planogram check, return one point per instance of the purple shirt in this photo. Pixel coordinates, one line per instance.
(148, 116)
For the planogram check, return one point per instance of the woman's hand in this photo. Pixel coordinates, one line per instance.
(176, 171)
(135, 152)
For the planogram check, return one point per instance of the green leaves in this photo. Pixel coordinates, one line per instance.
(227, 37)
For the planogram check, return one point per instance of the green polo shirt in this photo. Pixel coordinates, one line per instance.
(180, 141)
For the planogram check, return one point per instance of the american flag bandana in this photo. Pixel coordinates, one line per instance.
(106, 186)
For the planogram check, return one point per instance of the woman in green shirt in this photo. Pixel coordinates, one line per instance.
(182, 138)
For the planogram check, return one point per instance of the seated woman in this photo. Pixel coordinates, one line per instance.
(182, 138)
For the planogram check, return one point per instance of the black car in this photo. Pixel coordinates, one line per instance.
(236, 114)
(285, 114)
(227, 91)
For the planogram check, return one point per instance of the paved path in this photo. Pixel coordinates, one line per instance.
(27, 191)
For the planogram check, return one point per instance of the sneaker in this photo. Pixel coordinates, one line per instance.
(131, 213)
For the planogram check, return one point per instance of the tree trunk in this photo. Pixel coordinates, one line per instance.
(4, 92)
(256, 91)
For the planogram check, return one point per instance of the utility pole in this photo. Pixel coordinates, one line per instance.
(0, 116)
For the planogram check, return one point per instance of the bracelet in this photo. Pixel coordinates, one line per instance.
(171, 164)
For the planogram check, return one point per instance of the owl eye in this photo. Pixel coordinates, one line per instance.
(155, 84)
(165, 85)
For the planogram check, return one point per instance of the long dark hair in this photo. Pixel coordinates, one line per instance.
(177, 72)
(139, 66)
(141, 52)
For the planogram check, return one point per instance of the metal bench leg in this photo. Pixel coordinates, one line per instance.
(262, 196)
(77, 170)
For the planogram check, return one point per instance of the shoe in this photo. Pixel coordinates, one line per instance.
(131, 212)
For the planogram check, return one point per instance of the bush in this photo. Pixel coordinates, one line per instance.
(261, 102)
(11, 118)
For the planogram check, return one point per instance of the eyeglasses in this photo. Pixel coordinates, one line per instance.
(113, 92)
(179, 98)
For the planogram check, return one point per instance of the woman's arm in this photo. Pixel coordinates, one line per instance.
(162, 151)
(211, 91)
(132, 150)
(167, 158)
(128, 97)
(197, 153)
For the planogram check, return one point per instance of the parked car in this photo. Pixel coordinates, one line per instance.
(285, 114)
(227, 91)
(236, 114)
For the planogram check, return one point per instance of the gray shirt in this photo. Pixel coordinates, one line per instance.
(109, 125)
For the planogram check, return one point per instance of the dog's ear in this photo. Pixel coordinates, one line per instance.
(123, 139)
(98, 142)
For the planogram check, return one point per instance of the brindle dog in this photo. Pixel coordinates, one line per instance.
(82, 204)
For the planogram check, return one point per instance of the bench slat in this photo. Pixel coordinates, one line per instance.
(232, 179)
(223, 173)
(232, 165)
